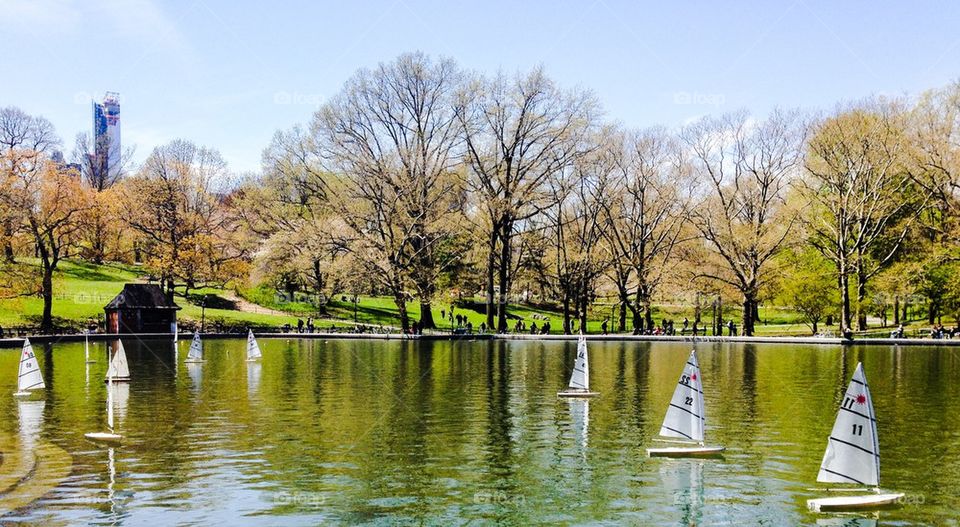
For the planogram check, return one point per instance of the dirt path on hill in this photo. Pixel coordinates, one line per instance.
(249, 307)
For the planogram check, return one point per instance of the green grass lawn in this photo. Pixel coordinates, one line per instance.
(83, 288)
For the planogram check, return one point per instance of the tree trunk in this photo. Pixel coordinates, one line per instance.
(506, 238)
(624, 296)
(426, 316)
(566, 310)
(46, 322)
(896, 310)
(861, 296)
(647, 312)
(748, 303)
(635, 308)
(8, 255)
(843, 283)
(401, 302)
(98, 243)
(491, 269)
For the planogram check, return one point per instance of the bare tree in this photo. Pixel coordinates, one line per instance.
(393, 135)
(747, 167)
(934, 159)
(25, 143)
(520, 131)
(863, 195)
(175, 203)
(99, 222)
(644, 216)
(579, 198)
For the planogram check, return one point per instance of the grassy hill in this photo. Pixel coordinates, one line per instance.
(81, 289)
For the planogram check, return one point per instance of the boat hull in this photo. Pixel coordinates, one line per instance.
(104, 437)
(193, 361)
(22, 394)
(691, 451)
(577, 394)
(117, 379)
(854, 503)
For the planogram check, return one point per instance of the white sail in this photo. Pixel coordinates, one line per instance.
(29, 377)
(253, 349)
(685, 415)
(196, 348)
(580, 378)
(853, 454)
(118, 370)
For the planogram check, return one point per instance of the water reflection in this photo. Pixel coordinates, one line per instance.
(683, 481)
(30, 418)
(441, 433)
(580, 420)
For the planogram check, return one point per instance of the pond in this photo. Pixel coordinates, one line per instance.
(455, 432)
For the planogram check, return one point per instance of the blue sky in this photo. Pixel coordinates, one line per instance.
(228, 74)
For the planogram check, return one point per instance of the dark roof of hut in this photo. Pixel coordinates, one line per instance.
(141, 296)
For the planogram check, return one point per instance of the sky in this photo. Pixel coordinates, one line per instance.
(228, 74)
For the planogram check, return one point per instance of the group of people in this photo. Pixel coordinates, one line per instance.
(938, 331)
(309, 325)
(521, 327)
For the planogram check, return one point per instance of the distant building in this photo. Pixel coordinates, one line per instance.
(141, 308)
(72, 168)
(106, 134)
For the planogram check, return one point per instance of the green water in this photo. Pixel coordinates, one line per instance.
(456, 433)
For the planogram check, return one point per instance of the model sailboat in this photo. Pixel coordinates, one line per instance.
(853, 452)
(29, 377)
(580, 378)
(118, 370)
(196, 349)
(110, 436)
(685, 418)
(253, 349)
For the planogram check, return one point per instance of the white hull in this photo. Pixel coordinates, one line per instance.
(193, 361)
(253, 360)
(118, 379)
(688, 451)
(577, 393)
(854, 503)
(22, 394)
(104, 437)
